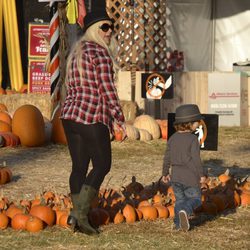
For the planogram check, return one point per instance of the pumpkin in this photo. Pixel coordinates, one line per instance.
(10, 139)
(98, 217)
(5, 127)
(139, 214)
(3, 107)
(132, 132)
(34, 224)
(23, 89)
(5, 175)
(163, 124)
(162, 211)
(63, 220)
(45, 213)
(2, 91)
(171, 210)
(148, 123)
(13, 210)
(4, 221)
(118, 135)
(129, 213)
(145, 135)
(149, 212)
(5, 117)
(245, 198)
(18, 222)
(57, 134)
(28, 125)
(119, 218)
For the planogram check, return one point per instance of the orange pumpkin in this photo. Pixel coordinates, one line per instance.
(149, 212)
(13, 210)
(10, 139)
(63, 220)
(18, 222)
(119, 218)
(162, 211)
(5, 127)
(4, 221)
(5, 175)
(129, 213)
(58, 135)
(34, 224)
(28, 125)
(245, 198)
(45, 213)
(5, 117)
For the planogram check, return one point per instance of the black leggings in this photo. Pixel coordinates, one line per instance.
(85, 143)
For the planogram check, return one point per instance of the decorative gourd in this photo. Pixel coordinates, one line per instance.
(10, 139)
(45, 213)
(148, 123)
(28, 125)
(144, 135)
(5, 127)
(132, 132)
(58, 135)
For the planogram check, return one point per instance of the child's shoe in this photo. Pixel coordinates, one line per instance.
(184, 222)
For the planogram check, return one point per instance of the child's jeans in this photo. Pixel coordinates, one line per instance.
(187, 198)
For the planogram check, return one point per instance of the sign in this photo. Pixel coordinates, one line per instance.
(207, 131)
(227, 97)
(38, 77)
(157, 86)
(39, 40)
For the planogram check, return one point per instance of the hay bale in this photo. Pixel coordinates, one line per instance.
(41, 101)
(129, 109)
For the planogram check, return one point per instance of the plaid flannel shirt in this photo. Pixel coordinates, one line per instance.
(93, 98)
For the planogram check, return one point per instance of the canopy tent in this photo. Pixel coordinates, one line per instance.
(213, 34)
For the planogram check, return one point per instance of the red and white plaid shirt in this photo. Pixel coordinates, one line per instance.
(93, 98)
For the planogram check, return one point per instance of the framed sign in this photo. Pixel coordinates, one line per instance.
(39, 39)
(207, 132)
(38, 77)
(157, 86)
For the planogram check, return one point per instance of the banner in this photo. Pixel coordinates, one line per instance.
(207, 131)
(157, 86)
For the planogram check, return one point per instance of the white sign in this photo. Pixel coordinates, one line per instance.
(225, 97)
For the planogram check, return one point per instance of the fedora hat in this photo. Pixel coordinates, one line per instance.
(94, 17)
(187, 113)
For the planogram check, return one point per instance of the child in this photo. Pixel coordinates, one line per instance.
(183, 156)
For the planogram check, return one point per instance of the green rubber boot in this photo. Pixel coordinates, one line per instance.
(86, 196)
(74, 213)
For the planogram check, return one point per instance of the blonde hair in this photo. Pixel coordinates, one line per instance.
(92, 34)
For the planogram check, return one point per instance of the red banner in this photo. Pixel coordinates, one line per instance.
(38, 77)
(38, 44)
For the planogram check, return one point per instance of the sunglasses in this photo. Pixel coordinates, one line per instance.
(105, 27)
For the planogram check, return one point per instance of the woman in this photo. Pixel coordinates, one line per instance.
(89, 114)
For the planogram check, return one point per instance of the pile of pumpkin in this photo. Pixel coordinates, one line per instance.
(132, 203)
(28, 127)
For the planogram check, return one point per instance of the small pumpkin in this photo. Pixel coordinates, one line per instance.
(4, 221)
(132, 132)
(5, 117)
(5, 127)
(129, 213)
(45, 213)
(119, 218)
(149, 212)
(34, 224)
(10, 139)
(144, 135)
(18, 222)
(5, 175)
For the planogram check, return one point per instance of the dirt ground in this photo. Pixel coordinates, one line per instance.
(48, 168)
